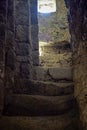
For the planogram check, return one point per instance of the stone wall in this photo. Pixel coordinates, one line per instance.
(53, 27)
(26, 39)
(22, 43)
(18, 43)
(77, 16)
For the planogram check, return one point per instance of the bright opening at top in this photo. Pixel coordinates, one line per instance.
(46, 6)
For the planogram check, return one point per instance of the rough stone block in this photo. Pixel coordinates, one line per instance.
(22, 12)
(61, 73)
(23, 59)
(10, 39)
(22, 33)
(22, 49)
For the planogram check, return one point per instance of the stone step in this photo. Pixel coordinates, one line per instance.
(38, 105)
(55, 48)
(43, 88)
(55, 60)
(53, 74)
(66, 121)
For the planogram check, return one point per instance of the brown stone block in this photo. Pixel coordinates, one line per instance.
(22, 33)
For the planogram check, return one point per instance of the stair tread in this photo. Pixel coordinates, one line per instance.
(43, 88)
(21, 104)
(67, 120)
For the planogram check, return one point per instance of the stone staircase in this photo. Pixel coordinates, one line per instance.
(45, 103)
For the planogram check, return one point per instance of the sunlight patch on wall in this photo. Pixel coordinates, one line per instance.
(46, 6)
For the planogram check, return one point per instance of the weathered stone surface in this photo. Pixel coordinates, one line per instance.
(63, 122)
(38, 105)
(61, 73)
(22, 49)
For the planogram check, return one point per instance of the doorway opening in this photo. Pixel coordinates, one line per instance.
(54, 37)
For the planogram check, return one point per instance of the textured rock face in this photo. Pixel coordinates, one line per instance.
(77, 16)
(53, 27)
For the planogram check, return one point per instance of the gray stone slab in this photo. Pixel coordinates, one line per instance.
(55, 74)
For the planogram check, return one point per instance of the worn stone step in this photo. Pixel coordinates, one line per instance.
(54, 74)
(68, 121)
(55, 60)
(61, 47)
(42, 88)
(38, 105)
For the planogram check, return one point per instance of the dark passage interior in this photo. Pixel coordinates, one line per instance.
(43, 65)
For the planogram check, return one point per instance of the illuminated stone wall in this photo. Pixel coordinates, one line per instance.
(53, 27)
